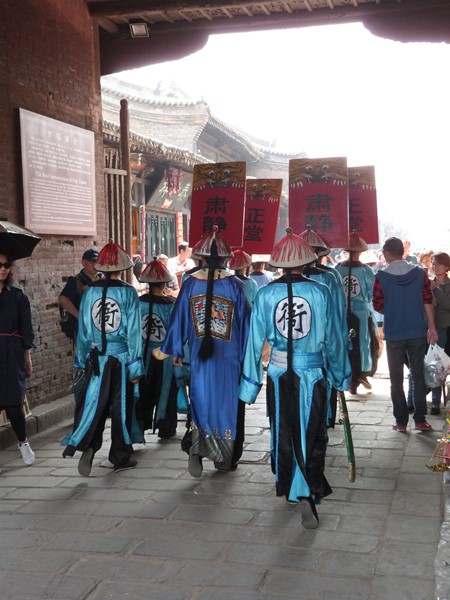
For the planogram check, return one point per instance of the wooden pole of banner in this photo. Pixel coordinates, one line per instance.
(125, 151)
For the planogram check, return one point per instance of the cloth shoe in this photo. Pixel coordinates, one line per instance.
(364, 382)
(423, 426)
(130, 464)
(85, 462)
(411, 408)
(353, 389)
(398, 427)
(435, 410)
(310, 518)
(27, 453)
(195, 466)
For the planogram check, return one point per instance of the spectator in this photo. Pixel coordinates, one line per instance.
(181, 263)
(441, 300)
(16, 341)
(138, 267)
(70, 297)
(411, 258)
(171, 288)
(425, 259)
(402, 293)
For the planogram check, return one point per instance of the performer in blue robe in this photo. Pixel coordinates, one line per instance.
(109, 349)
(212, 315)
(240, 263)
(364, 352)
(296, 315)
(157, 404)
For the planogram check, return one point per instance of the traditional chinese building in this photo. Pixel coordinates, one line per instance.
(169, 133)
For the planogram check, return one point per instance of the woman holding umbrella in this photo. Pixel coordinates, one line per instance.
(16, 340)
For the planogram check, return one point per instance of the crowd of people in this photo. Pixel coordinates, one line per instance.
(195, 335)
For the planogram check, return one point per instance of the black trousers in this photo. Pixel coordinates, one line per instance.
(16, 416)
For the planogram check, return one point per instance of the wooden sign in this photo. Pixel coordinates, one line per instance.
(318, 196)
(218, 198)
(362, 203)
(262, 207)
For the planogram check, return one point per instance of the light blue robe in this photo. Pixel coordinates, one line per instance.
(363, 278)
(123, 335)
(317, 343)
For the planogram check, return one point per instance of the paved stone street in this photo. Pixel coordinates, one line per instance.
(157, 533)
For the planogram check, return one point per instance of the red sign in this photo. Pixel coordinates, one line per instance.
(218, 198)
(362, 203)
(262, 206)
(318, 196)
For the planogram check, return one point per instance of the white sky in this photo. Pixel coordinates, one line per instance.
(337, 91)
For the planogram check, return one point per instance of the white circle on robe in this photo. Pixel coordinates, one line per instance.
(301, 324)
(157, 330)
(113, 315)
(355, 288)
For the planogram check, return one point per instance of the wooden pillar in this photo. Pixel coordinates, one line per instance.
(125, 152)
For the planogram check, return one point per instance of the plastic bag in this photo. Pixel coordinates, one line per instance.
(436, 366)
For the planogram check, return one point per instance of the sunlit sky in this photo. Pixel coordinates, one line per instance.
(337, 91)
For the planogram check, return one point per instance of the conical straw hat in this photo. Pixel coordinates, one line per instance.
(240, 260)
(313, 238)
(113, 258)
(292, 251)
(203, 246)
(356, 243)
(155, 272)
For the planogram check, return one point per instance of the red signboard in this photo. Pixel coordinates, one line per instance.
(218, 198)
(262, 206)
(318, 196)
(363, 213)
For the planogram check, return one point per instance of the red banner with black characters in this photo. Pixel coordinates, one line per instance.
(218, 198)
(318, 196)
(262, 207)
(362, 203)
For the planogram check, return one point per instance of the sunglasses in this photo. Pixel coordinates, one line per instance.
(5, 265)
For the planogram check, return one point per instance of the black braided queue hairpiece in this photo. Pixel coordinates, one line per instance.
(207, 346)
(149, 322)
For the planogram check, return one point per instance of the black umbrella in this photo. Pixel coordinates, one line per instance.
(17, 241)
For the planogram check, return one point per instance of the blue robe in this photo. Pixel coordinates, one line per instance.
(363, 278)
(214, 382)
(297, 400)
(121, 362)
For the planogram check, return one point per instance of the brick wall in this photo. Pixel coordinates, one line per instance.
(48, 65)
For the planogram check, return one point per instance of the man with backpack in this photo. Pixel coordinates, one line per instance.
(70, 297)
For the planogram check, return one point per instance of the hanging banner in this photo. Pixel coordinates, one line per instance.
(262, 207)
(362, 203)
(218, 198)
(318, 196)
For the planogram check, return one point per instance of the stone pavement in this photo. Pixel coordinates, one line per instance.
(156, 533)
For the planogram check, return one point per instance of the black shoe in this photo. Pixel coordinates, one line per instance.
(353, 389)
(435, 410)
(411, 408)
(195, 466)
(130, 464)
(85, 462)
(310, 518)
(166, 434)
